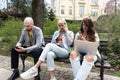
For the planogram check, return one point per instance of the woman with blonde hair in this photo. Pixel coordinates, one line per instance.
(59, 47)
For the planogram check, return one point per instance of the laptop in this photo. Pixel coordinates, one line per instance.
(86, 46)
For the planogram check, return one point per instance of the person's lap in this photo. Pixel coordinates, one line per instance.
(59, 51)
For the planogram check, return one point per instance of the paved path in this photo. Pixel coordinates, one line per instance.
(5, 70)
(4, 74)
(62, 73)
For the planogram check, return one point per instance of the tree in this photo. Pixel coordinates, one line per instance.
(112, 7)
(20, 8)
(51, 15)
(38, 12)
(45, 13)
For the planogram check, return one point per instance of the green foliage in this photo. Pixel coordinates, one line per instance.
(108, 27)
(103, 35)
(3, 16)
(9, 33)
(22, 8)
(49, 27)
(118, 74)
(74, 26)
(103, 24)
(115, 22)
(51, 15)
(114, 42)
(115, 45)
(114, 60)
(108, 24)
(1, 23)
(11, 28)
(45, 13)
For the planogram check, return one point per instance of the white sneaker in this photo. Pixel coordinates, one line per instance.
(54, 78)
(30, 73)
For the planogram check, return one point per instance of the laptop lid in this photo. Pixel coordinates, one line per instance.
(86, 46)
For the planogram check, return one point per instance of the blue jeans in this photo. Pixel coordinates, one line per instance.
(52, 51)
(81, 71)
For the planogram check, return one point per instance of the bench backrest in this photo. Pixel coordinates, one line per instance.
(103, 46)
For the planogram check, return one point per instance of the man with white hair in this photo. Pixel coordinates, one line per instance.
(30, 42)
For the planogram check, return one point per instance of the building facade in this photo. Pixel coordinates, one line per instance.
(78, 9)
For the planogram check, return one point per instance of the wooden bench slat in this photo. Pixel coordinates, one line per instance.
(106, 65)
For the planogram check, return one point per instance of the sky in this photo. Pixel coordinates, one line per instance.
(49, 1)
(2, 2)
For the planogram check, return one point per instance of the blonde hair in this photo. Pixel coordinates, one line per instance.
(63, 21)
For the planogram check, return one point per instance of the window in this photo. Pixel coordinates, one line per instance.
(94, 1)
(81, 10)
(70, 10)
(94, 12)
(62, 9)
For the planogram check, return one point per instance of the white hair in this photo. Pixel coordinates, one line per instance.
(29, 19)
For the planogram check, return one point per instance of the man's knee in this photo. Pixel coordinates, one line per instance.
(14, 52)
(73, 55)
(37, 51)
(89, 58)
(13, 49)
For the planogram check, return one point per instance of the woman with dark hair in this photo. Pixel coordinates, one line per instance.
(87, 33)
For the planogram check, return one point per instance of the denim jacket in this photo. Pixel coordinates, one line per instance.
(65, 43)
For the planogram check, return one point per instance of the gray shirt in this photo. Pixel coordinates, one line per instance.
(37, 39)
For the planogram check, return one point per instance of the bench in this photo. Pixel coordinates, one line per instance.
(101, 63)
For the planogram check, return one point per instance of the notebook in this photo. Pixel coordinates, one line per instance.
(86, 46)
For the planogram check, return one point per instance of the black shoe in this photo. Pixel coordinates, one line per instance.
(14, 75)
(37, 77)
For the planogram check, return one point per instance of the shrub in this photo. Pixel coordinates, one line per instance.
(51, 26)
(11, 28)
(74, 26)
(115, 45)
(10, 32)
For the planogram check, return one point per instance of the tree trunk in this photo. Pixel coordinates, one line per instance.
(38, 12)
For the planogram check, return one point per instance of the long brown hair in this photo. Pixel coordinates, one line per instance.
(91, 30)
